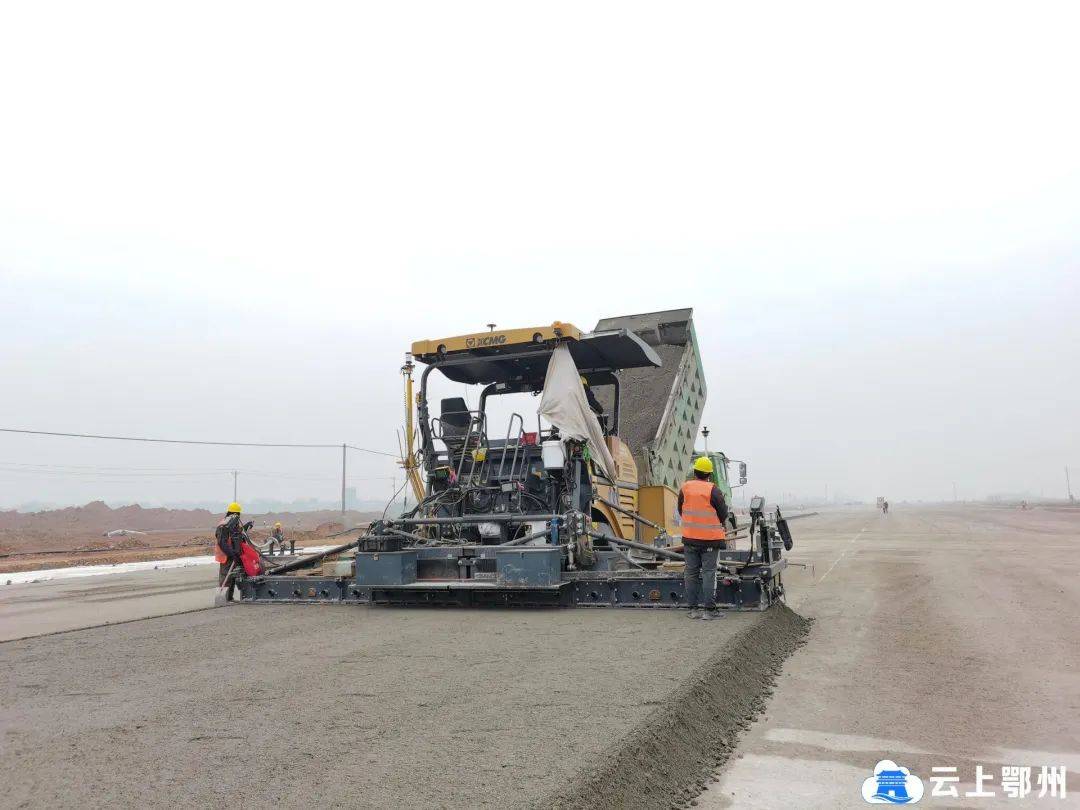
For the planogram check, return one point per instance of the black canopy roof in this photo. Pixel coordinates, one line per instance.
(605, 351)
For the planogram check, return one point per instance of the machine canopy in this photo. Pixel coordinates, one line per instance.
(609, 350)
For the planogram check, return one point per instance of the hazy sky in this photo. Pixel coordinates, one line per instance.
(229, 221)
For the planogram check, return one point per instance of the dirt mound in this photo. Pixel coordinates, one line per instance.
(99, 517)
(78, 528)
(114, 545)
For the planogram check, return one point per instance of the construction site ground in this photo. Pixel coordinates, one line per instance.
(942, 636)
(78, 535)
(16, 563)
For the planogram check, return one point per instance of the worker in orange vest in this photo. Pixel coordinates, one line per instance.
(703, 511)
(229, 535)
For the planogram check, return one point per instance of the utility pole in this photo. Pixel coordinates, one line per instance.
(343, 480)
(234, 474)
(954, 491)
(1068, 484)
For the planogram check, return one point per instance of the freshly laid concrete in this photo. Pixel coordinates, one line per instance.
(34, 609)
(943, 637)
(343, 706)
(112, 569)
(59, 599)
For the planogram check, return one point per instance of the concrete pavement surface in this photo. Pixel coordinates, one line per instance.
(343, 706)
(34, 609)
(943, 637)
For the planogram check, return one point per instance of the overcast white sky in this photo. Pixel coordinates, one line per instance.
(229, 220)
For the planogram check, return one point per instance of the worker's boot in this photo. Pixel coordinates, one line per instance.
(709, 615)
(694, 613)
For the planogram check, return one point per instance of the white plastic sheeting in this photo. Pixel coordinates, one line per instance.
(76, 572)
(564, 405)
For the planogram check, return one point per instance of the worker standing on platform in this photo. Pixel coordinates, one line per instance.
(703, 511)
(229, 536)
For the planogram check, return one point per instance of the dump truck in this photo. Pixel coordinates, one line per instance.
(548, 508)
(666, 407)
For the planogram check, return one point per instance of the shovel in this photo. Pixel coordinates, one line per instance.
(220, 599)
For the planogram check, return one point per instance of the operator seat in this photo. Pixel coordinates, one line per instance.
(454, 418)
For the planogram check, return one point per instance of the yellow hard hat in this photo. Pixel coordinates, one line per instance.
(233, 507)
(583, 380)
(277, 525)
(703, 464)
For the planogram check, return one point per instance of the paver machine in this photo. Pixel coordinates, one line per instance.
(541, 509)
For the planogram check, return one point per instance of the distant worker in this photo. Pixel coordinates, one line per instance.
(885, 507)
(277, 537)
(703, 511)
(230, 537)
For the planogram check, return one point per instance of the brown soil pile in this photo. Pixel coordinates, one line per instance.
(82, 528)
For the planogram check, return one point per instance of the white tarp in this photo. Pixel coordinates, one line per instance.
(47, 574)
(564, 405)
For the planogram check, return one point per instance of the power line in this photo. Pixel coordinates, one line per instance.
(193, 441)
(100, 474)
(89, 469)
(99, 467)
(374, 452)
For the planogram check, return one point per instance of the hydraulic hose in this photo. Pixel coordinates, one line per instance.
(662, 552)
(520, 541)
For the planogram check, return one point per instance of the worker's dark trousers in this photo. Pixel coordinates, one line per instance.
(223, 571)
(700, 575)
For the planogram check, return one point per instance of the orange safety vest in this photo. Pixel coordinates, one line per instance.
(699, 520)
(219, 555)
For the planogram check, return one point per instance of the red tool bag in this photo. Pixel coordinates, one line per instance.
(249, 559)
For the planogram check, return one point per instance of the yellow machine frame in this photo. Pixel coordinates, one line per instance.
(627, 496)
(493, 339)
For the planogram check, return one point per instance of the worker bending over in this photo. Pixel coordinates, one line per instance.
(277, 537)
(703, 511)
(230, 537)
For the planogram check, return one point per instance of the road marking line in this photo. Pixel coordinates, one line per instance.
(842, 555)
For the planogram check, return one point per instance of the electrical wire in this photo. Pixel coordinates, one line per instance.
(153, 472)
(393, 498)
(373, 452)
(106, 473)
(193, 441)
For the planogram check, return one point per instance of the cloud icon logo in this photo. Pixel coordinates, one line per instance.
(892, 784)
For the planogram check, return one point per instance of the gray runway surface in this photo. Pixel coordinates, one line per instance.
(37, 608)
(942, 637)
(341, 706)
